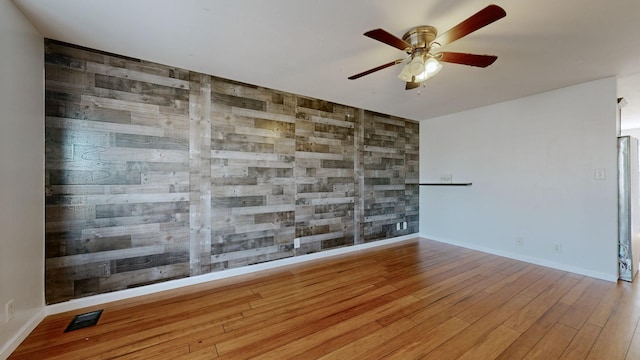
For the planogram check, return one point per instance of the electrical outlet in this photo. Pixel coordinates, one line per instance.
(296, 243)
(9, 310)
(398, 226)
(404, 225)
(519, 241)
(446, 178)
(557, 248)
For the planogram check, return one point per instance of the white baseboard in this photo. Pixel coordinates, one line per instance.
(199, 279)
(525, 258)
(24, 331)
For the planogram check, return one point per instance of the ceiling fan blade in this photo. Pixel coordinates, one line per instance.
(478, 20)
(411, 85)
(377, 68)
(387, 38)
(466, 59)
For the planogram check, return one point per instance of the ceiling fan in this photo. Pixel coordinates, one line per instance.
(420, 41)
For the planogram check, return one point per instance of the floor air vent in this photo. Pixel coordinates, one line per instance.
(84, 320)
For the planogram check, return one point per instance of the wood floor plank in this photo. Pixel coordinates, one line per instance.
(497, 299)
(371, 343)
(460, 275)
(289, 294)
(634, 348)
(549, 277)
(283, 338)
(617, 333)
(302, 325)
(585, 305)
(577, 291)
(607, 304)
(255, 319)
(158, 351)
(296, 347)
(430, 340)
(201, 354)
(341, 329)
(581, 344)
(513, 273)
(457, 302)
(316, 278)
(298, 303)
(414, 281)
(470, 336)
(204, 344)
(536, 308)
(523, 344)
(337, 342)
(553, 344)
(492, 345)
(426, 302)
(415, 299)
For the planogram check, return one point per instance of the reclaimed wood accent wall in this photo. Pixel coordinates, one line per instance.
(391, 190)
(156, 173)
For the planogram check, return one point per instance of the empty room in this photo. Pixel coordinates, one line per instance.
(205, 179)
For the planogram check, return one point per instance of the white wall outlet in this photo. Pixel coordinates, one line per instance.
(9, 311)
(397, 226)
(557, 248)
(296, 243)
(446, 178)
(600, 174)
(404, 225)
(519, 241)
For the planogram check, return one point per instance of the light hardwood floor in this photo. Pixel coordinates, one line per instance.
(416, 299)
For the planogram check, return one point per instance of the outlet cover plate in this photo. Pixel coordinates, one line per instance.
(446, 178)
(9, 310)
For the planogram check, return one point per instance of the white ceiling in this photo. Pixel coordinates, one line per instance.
(310, 47)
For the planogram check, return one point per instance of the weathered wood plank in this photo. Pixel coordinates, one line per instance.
(150, 142)
(200, 175)
(107, 70)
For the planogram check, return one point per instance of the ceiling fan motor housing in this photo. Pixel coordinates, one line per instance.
(420, 37)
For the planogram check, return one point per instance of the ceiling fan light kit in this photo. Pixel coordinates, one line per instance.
(416, 66)
(419, 42)
(428, 68)
(432, 67)
(405, 74)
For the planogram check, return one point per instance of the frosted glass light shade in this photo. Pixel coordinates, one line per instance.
(416, 66)
(405, 74)
(432, 67)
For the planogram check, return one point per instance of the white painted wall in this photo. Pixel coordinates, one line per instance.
(21, 175)
(532, 162)
(631, 132)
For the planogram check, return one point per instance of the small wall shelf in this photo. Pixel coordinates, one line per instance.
(445, 184)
